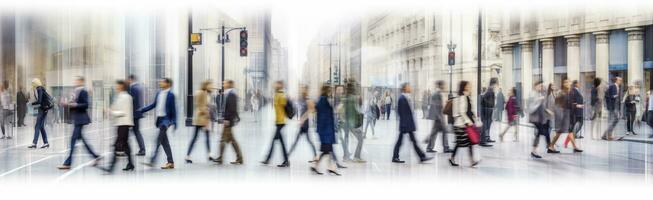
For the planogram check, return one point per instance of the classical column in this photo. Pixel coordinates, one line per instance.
(547, 60)
(526, 68)
(602, 55)
(573, 57)
(506, 69)
(635, 54)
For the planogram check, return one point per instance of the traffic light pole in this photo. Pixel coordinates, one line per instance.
(330, 45)
(189, 92)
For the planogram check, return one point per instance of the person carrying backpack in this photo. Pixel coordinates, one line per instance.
(281, 104)
(43, 103)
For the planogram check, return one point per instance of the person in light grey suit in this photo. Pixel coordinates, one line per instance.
(435, 114)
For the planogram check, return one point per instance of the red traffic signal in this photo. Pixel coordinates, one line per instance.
(243, 43)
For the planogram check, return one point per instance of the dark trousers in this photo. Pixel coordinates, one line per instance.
(195, 135)
(139, 137)
(277, 136)
(21, 116)
(630, 120)
(162, 140)
(123, 142)
(438, 127)
(388, 108)
(39, 127)
(411, 135)
(486, 118)
(303, 131)
(613, 120)
(77, 135)
(577, 125)
(542, 129)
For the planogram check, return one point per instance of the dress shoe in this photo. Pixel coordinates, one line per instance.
(604, 138)
(580, 137)
(45, 146)
(552, 151)
(448, 151)
(265, 162)
(452, 163)
(168, 166)
(634, 133)
(491, 141)
(474, 163)
(340, 166)
(218, 161)
(141, 153)
(315, 171)
(534, 155)
(425, 159)
(284, 164)
(358, 160)
(129, 167)
(64, 167)
(577, 151)
(334, 172)
(485, 145)
(431, 151)
(396, 160)
(237, 162)
(188, 161)
(33, 146)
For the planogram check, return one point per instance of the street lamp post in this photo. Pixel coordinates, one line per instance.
(189, 92)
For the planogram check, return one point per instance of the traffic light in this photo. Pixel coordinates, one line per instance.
(452, 58)
(243, 43)
(336, 78)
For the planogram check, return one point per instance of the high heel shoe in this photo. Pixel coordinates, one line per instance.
(129, 167)
(315, 171)
(452, 163)
(334, 173)
(45, 146)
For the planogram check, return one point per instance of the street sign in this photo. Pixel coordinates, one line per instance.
(196, 38)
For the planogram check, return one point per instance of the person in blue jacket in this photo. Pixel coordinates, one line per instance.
(78, 107)
(166, 116)
(326, 129)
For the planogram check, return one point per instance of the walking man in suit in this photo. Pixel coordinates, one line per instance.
(487, 107)
(435, 114)
(230, 119)
(613, 104)
(136, 92)
(78, 110)
(166, 116)
(406, 125)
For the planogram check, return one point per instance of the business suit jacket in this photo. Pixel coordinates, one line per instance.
(612, 97)
(137, 99)
(79, 107)
(201, 115)
(231, 107)
(41, 98)
(435, 110)
(576, 99)
(171, 110)
(405, 113)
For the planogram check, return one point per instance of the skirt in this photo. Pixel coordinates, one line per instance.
(562, 121)
(326, 148)
(462, 138)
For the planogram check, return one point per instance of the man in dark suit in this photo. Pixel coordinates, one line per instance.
(406, 125)
(577, 109)
(21, 106)
(78, 110)
(613, 104)
(230, 118)
(166, 116)
(435, 114)
(136, 92)
(487, 108)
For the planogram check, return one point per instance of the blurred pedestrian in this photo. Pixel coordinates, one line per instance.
(464, 119)
(78, 106)
(563, 114)
(388, 104)
(487, 107)
(353, 122)
(577, 109)
(325, 128)
(613, 104)
(436, 114)
(21, 106)
(426, 97)
(596, 101)
(500, 105)
(406, 125)
(302, 104)
(166, 116)
(136, 91)
(121, 112)
(201, 118)
(42, 103)
(6, 110)
(281, 104)
(372, 113)
(630, 101)
(512, 110)
(230, 119)
(540, 115)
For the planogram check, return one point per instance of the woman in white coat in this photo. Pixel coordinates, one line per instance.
(122, 116)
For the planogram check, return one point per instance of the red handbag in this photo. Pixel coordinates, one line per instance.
(473, 135)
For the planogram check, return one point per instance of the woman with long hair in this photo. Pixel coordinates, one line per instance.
(563, 116)
(463, 114)
(42, 104)
(326, 129)
(201, 118)
(512, 110)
